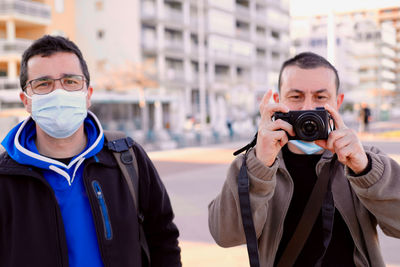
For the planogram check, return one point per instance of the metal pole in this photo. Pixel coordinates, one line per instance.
(331, 37)
(202, 83)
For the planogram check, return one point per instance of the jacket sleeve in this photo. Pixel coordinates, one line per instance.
(224, 217)
(161, 233)
(379, 190)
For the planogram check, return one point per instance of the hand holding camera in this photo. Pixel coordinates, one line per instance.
(345, 143)
(272, 134)
(278, 125)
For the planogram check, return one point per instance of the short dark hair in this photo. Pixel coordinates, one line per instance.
(47, 46)
(308, 60)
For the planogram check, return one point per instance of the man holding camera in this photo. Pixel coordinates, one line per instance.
(363, 183)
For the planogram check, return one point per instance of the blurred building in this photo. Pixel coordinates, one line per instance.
(310, 34)
(365, 54)
(210, 59)
(21, 22)
(391, 16)
(158, 64)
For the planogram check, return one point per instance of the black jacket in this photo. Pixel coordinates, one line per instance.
(31, 226)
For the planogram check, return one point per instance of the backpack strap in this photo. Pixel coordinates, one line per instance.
(121, 146)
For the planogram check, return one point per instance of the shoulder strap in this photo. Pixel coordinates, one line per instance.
(121, 146)
(247, 218)
(321, 196)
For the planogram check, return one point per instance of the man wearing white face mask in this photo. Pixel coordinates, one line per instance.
(63, 198)
(361, 189)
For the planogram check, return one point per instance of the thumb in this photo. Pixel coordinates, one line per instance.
(321, 143)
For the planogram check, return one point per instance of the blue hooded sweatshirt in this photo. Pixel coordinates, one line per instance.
(67, 183)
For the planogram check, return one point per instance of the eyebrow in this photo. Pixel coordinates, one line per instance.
(302, 92)
(62, 76)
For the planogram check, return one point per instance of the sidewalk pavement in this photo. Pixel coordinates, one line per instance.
(209, 254)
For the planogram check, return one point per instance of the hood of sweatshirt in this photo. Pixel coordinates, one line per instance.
(20, 146)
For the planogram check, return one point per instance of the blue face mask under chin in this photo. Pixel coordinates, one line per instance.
(308, 148)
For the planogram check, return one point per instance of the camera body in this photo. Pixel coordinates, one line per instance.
(308, 125)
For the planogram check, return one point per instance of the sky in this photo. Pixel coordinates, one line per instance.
(317, 7)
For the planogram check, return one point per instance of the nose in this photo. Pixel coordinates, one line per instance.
(55, 85)
(308, 103)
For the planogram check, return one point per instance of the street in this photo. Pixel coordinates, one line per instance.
(194, 176)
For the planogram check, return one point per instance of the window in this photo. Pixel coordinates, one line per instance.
(275, 35)
(275, 55)
(260, 52)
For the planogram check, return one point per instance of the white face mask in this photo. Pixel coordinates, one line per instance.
(59, 113)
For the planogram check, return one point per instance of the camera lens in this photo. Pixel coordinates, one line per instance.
(308, 126)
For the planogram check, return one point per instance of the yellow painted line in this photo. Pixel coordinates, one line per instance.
(195, 155)
(197, 254)
(396, 157)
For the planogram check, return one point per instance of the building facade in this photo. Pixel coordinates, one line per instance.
(21, 22)
(160, 65)
(211, 60)
(365, 52)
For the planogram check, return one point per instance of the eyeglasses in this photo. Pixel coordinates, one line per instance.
(43, 86)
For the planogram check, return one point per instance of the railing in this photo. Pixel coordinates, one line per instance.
(149, 45)
(173, 15)
(16, 46)
(174, 45)
(194, 22)
(242, 33)
(25, 7)
(148, 10)
(223, 78)
(242, 10)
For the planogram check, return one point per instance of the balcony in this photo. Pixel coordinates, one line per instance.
(261, 17)
(149, 47)
(26, 8)
(18, 46)
(148, 10)
(173, 16)
(6, 83)
(242, 11)
(175, 75)
(174, 45)
(261, 39)
(194, 23)
(243, 33)
(222, 78)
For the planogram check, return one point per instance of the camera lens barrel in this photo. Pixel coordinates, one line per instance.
(309, 126)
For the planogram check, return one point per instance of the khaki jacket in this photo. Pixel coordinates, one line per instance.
(363, 202)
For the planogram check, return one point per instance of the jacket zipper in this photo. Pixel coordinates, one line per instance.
(103, 209)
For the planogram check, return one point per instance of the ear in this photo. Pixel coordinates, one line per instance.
(26, 101)
(339, 100)
(276, 97)
(89, 96)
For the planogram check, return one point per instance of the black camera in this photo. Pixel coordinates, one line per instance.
(308, 125)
